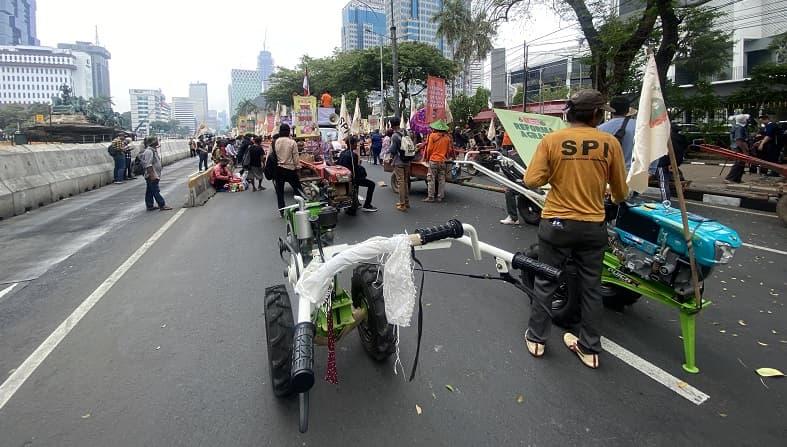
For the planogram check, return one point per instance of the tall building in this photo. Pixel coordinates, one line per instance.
(245, 86)
(212, 120)
(99, 60)
(223, 120)
(147, 106)
(182, 110)
(35, 74)
(363, 24)
(18, 22)
(413, 19)
(265, 67)
(199, 95)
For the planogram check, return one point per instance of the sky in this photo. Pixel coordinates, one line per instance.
(167, 44)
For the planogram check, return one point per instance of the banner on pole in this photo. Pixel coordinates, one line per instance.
(435, 99)
(304, 109)
(374, 122)
(527, 129)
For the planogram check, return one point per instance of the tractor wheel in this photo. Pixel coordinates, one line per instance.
(781, 208)
(377, 336)
(528, 210)
(565, 304)
(279, 330)
(616, 297)
(471, 170)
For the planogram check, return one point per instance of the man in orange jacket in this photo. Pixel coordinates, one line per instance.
(437, 147)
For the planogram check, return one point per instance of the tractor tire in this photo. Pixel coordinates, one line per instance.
(471, 170)
(377, 336)
(279, 330)
(781, 208)
(528, 210)
(565, 303)
(616, 297)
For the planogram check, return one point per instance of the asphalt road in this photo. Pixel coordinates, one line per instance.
(174, 353)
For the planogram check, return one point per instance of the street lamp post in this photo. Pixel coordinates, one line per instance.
(395, 64)
(382, 88)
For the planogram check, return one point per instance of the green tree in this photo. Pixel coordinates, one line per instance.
(23, 115)
(464, 107)
(767, 85)
(125, 120)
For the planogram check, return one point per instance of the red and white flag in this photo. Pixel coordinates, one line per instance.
(306, 83)
(652, 131)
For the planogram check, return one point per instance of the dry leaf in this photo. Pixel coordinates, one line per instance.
(723, 331)
(85, 416)
(773, 331)
(449, 388)
(418, 409)
(724, 415)
(715, 323)
(158, 347)
(682, 384)
(164, 325)
(742, 323)
(762, 344)
(769, 372)
(520, 399)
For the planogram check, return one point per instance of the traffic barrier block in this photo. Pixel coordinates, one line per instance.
(200, 189)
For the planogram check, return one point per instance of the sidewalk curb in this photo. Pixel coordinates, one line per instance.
(722, 198)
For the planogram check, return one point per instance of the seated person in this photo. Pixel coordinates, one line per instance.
(349, 159)
(220, 175)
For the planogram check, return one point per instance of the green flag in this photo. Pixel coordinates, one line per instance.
(527, 129)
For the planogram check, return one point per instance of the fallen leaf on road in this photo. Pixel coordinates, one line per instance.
(158, 347)
(418, 409)
(520, 399)
(769, 372)
(724, 415)
(734, 335)
(715, 323)
(724, 289)
(449, 388)
(762, 344)
(85, 416)
(742, 323)
(682, 384)
(723, 331)
(164, 325)
(773, 331)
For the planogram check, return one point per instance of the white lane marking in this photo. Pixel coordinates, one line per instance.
(683, 389)
(26, 369)
(8, 290)
(754, 213)
(721, 200)
(760, 247)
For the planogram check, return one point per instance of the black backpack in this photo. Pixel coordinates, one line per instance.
(136, 166)
(271, 163)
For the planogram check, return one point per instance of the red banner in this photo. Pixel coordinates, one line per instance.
(435, 99)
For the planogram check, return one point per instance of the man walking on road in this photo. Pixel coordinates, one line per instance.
(127, 148)
(151, 162)
(401, 167)
(437, 147)
(289, 162)
(578, 162)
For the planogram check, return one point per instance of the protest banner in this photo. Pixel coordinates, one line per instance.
(304, 110)
(435, 99)
(527, 129)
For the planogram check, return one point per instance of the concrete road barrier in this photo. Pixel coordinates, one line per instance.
(32, 176)
(200, 189)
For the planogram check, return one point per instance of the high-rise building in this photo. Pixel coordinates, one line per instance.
(35, 74)
(99, 60)
(413, 19)
(182, 110)
(147, 106)
(198, 93)
(18, 22)
(245, 86)
(223, 120)
(213, 120)
(265, 67)
(363, 24)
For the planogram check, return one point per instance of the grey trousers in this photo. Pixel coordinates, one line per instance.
(436, 178)
(584, 242)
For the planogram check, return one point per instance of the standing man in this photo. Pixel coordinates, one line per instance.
(192, 147)
(768, 145)
(326, 100)
(118, 154)
(377, 145)
(289, 162)
(151, 162)
(437, 147)
(231, 152)
(578, 162)
(401, 167)
(202, 153)
(622, 126)
(256, 162)
(739, 142)
(127, 148)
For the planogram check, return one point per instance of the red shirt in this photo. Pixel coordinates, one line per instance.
(219, 172)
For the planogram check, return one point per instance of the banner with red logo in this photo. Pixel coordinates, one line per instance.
(435, 99)
(527, 129)
(304, 112)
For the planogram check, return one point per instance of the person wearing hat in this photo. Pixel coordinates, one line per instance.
(622, 125)
(151, 162)
(578, 162)
(437, 146)
(127, 148)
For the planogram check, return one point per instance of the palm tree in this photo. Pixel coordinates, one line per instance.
(477, 41)
(452, 23)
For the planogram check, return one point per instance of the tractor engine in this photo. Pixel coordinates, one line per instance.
(648, 240)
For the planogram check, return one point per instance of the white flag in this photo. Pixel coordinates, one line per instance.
(449, 118)
(355, 126)
(490, 133)
(344, 122)
(652, 131)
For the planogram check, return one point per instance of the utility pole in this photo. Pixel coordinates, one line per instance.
(395, 64)
(524, 82)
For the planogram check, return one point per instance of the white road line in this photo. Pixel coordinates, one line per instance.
(26, 369)
(7, 290)
(760, 247)
(694, 202)
(685, 390)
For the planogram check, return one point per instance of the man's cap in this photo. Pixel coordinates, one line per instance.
(588, 99)
(439, 125)
(764, 115)
(622, 106)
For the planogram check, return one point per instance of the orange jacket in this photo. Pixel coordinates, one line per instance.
(437, 146)
(506, 140)
(326, 100)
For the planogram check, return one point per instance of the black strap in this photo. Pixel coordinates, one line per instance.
(622, 131)
(420, 315)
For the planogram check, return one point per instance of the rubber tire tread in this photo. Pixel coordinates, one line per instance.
(279, 331)
(530, 217)
(566, 316)
(381, 343)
